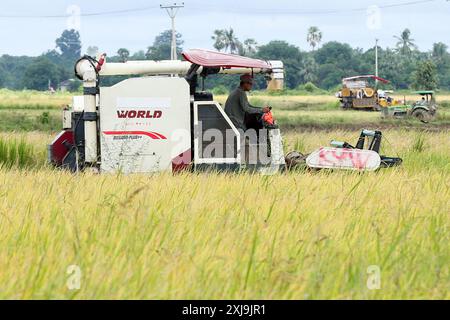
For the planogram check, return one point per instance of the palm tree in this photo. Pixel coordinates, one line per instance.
(219, 39)
(439, 51)
(226, 40)
(405, 44)
(231, 42)
(314, 37)
(248, 48)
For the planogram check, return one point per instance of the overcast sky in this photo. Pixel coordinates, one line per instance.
(30, 27)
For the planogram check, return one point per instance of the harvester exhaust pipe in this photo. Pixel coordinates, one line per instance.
(86, 70)
(166, 67)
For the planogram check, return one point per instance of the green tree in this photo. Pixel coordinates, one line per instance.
(14, 70)
(405, 45)
(335, 60)
(227, 41)
(219, 39)
(139, 55)
(40, 74)
(395, 68)
(439, 52)
(291, 56)
(92, 51)
(314, 37)
(425, 77)
(309, 70)
(69, 45)
(161, 48)
(124, 54)
(55, 57)
(248, 48)
(232, 43)
(441, 58)
(334, 52)
(329, 75)
(2, 76)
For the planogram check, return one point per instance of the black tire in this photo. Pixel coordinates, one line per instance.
(295, 160)
(346, 104)
(389, 162)
(421, 115)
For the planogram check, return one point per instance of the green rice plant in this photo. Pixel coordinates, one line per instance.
(419, 143)
(44, 118)
(16, 153)
(29, 120)
(299, 144)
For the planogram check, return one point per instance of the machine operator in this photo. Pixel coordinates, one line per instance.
(237, 104)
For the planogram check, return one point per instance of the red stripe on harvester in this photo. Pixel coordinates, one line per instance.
(160, 135)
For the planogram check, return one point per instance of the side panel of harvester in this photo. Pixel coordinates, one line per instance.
(144, 124)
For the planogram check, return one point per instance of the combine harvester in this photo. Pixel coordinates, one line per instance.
(158, 121)
(359, 94)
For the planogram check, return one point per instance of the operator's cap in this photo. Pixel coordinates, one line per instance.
(247, 78)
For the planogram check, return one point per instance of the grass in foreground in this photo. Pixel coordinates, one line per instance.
(297, 236)
(300, 235)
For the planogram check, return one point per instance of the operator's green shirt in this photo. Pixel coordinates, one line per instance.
(237, 105)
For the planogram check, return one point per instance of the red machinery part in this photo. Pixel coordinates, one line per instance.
(101, 62)
(182, 162)
(268, 118)
(59, 148)
(208, 58)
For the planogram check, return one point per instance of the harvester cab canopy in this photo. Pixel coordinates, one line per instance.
(427, 94)
(213, 59)
(361, 81)
(424, 92)
(206, 62)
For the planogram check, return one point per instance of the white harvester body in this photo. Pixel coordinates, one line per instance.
(144, 124)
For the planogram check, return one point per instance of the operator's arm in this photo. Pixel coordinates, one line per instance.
(247, 106)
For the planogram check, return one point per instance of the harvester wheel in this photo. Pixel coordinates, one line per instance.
(295, 160)
(346, 105)
(421, 115)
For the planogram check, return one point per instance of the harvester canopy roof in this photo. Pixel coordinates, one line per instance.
(424, 92)
(207, 58)
(370, 76)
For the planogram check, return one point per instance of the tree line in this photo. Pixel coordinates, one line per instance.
(324, 65)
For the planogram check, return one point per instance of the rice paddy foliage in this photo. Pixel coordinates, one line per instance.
(299, 235)
(16, 152)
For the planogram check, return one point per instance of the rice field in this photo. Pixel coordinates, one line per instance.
(298, 235)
